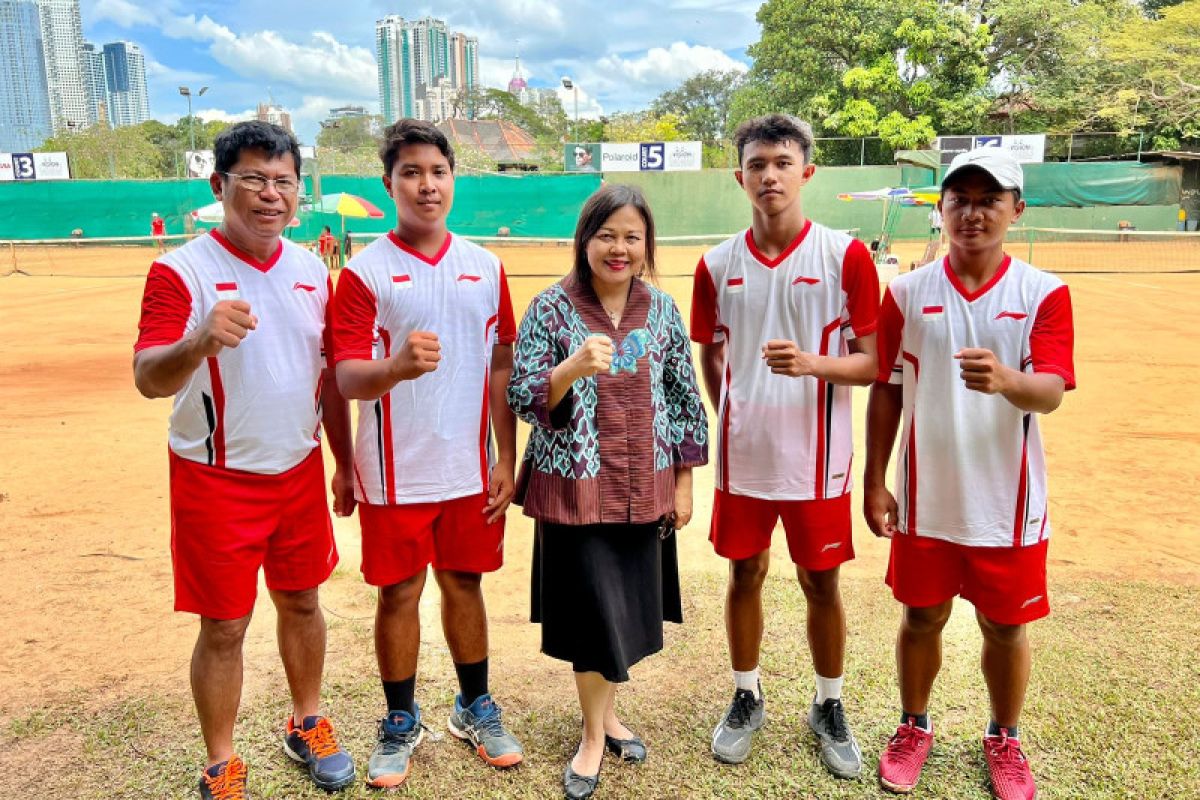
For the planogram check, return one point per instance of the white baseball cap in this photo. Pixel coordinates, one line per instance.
(999, 164)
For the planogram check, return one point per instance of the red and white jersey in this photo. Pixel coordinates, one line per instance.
(428, 439)
(255, 407)
(783, 438)
(970, 467)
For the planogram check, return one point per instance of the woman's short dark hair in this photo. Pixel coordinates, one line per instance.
(606, 201)
(270, 139)
(404, 132)
(775, 129)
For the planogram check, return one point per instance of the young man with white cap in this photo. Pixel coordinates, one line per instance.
(971, 348)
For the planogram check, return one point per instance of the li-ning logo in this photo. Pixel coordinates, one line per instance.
(304, 286)
(471, 278)
(1017, 315)
(807, 281)
(831, 546)
(1031, 601)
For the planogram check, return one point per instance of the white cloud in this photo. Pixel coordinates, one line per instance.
(159, 71)
(667, 67)
(122, 12)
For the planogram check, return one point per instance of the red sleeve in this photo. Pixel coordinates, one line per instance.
(888, 337)
(1052, 341)
(706, 326)
(354, 314)
(860, 282)
(327, 334)
(506, 325)
(166, 306)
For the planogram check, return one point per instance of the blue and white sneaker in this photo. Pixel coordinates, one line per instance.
(391, 760)
(480, 724)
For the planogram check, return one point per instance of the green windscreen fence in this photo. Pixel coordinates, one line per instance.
(529, 205)
(705, 203)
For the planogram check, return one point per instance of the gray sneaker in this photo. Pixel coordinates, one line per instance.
(399, 734)
(731, 740)
(480, 725)
(839, 751)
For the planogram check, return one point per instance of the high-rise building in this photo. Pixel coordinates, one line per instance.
(24, 101)
(125, 74)
(274, 114)
(96, 82)
(62, 50)
(424, 69)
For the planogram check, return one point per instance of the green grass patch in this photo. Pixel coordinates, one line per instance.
(1110, 713)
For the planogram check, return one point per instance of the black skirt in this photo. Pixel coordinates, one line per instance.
(602, 593)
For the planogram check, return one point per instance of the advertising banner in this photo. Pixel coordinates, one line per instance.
(34, 167)
(199, 163)
(1025, 148)
(620, 157)
(51, 166)
(632, 156)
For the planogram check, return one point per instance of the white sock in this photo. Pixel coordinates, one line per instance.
(828, 688)
(747, 680)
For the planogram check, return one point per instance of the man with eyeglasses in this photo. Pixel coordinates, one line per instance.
(234, 325)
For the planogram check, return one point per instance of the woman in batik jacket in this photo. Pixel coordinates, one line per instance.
(603, 372)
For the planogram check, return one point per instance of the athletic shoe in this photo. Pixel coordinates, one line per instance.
(901, 761)
(224, 781)
(480, 724)
(839, 751)
(733, 735)
(399, 734)
(314, 744)
(1008, 767)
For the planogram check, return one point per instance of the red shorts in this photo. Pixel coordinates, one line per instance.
(225, 524)
(399, 541)
(818, 531)
(1005, 584)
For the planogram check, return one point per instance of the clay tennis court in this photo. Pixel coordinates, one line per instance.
(86, 598)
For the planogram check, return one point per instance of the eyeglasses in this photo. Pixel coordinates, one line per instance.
(257, 183)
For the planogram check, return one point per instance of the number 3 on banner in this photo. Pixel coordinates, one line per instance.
(23, 169)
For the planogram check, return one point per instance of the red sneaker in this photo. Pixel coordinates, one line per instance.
(1008, 767)
(901, 761)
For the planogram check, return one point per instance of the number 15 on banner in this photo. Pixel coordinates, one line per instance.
(653, 156)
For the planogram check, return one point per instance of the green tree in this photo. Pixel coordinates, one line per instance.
(643, 126)
(1158, 61)
(351, 132)
(702, 104)
(1050, 57)
(104, 152)
(902, 71)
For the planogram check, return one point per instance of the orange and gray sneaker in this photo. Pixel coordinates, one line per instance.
(1008, 768)
(481, 726)
(399, 734)
(314, 744)
(901, 761)
(224, 781)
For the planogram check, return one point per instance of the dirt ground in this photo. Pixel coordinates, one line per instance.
(86, 595)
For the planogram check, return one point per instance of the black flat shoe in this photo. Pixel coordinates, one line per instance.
(632, 750)
(579, 787)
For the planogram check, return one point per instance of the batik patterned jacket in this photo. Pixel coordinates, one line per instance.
(608, 452)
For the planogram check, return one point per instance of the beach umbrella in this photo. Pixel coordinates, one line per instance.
(345, 204)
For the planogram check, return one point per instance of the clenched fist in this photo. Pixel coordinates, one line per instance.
(225, 326)
(593, 357)
(419, 354)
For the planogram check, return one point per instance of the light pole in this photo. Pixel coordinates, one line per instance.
(574, 88)
(187, 92)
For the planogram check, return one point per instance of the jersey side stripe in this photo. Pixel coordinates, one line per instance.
(218, 429)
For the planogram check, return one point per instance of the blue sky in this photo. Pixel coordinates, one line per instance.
(311, 56)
